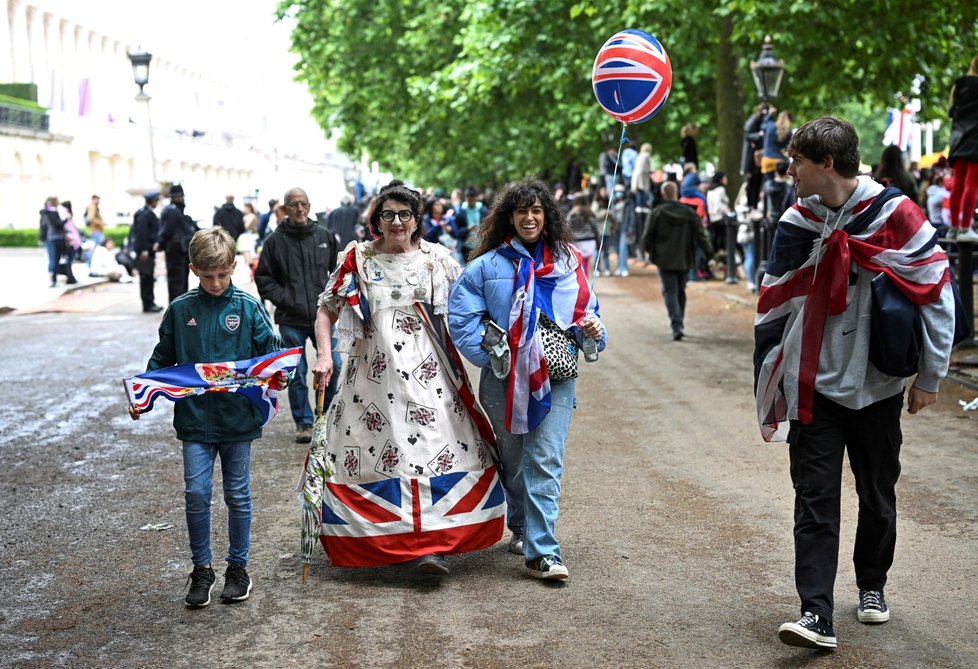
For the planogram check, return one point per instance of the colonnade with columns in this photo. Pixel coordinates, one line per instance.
(206, 134)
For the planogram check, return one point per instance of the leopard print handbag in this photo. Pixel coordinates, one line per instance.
(560, 350)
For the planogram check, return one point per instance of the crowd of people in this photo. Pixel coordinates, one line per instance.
(395, 290)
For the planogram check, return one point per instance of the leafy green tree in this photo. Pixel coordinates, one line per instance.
(453, 92)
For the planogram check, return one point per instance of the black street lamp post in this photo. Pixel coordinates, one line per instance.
(146, 164)
(767, 72)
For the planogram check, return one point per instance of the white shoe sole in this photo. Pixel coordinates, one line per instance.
(555, 573)
(207, 603)
(793, 634)
(873, 617)
(243, 597)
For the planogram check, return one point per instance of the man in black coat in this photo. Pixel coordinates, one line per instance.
(178, 228)
(294, 265)
(343, 221)
(230, 218)
(145, 235)
(672, 233)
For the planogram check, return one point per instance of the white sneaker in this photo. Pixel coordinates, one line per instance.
(623, 272)
(968, 236)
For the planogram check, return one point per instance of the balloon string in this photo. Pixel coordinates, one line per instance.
(607, 213)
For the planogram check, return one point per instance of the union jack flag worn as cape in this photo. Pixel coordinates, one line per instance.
(347, 284)
(560, 289)
(807, 281)
(246, 377)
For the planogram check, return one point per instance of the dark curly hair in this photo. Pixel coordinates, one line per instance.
(397, 191)
(498, 224)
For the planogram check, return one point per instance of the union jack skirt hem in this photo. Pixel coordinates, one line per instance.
(395, 520)
(397, 548)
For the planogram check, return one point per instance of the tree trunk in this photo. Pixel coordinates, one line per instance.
(730, 109)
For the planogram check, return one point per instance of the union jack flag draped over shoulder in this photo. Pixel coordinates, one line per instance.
(807, 280)
(250, 378)
(559, 288)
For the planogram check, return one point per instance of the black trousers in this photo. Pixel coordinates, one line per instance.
(674, 295)
(177, 273)
(872, 438)
(146, 289)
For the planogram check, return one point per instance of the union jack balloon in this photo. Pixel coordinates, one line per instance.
(632, 76)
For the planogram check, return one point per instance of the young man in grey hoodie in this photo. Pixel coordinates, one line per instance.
(814, 382)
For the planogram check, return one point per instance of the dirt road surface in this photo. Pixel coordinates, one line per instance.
(675, 523)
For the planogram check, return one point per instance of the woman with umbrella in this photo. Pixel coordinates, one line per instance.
(413, 457)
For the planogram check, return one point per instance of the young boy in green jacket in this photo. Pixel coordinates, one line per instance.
(211, 323)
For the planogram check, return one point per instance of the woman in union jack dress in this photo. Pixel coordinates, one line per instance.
(413, 457)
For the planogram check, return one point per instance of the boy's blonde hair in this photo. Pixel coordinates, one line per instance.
(211, 249)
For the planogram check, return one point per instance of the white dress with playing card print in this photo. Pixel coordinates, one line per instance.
(413, 474)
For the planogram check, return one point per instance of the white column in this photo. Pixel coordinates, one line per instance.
(6, 48)
(19, 42)
(39, 62)
(52, 36)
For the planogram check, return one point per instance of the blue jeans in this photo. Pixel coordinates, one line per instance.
(298, 389)
(750, 267)
(622, 251)
(531, 464)
(198, 476)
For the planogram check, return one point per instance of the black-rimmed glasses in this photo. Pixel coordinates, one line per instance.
(404, 215)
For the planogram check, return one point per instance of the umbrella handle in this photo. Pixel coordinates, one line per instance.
(305, 572)
(320, 398)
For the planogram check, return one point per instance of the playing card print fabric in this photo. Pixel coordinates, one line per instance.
(414, 476)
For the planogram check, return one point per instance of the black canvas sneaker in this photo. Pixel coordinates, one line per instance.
(872, 607)
(811, 631)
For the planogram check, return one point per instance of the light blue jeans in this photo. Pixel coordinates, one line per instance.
(298, 389)
(531, 464)
(198, 476)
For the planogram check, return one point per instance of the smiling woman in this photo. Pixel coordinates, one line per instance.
(527, 278)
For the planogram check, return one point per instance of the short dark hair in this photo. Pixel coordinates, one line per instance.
(396, 191)
(828, 136)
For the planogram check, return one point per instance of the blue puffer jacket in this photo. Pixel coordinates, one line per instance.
(486, 287)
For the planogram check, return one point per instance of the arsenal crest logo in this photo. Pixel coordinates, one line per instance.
(232, 322)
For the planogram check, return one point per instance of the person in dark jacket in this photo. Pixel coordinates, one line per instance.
(145, 235)
(178, 228)
(963, 154)
(230, 218)
(292, 270)
(672, 232)
(343, 221)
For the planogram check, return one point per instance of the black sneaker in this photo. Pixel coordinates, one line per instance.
(811, 631)
(237, 585)
(201, 582)
(872, 607)
(548, 567)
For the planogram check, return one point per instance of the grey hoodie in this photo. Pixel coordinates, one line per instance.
(845, 374)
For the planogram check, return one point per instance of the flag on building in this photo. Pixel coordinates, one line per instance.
(899, 126)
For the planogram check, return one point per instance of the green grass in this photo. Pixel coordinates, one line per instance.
(27, 237)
